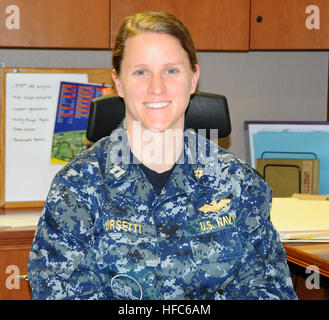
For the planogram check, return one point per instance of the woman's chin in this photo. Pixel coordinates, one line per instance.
(162, 126)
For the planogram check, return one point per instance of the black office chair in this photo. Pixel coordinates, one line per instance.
(206, 111)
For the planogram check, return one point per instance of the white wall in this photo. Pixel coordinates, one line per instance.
(282, 86)
(263, 85)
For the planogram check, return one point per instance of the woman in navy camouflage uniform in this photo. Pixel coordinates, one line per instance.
(170, 223)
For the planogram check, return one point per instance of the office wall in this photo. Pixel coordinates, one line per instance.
(281, 85)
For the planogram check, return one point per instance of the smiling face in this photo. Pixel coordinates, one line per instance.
(156, 81)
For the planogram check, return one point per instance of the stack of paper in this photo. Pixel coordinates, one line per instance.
(301, 220)
(19, 220)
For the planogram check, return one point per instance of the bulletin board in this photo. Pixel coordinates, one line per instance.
(26, 125)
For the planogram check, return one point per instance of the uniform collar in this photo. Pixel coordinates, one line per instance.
(199, 168)
(120, 161)
(192, 166)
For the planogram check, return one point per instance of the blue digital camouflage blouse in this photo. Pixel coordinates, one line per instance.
(105, 234)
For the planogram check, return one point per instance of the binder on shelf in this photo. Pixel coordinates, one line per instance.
(287, 176)
(300, 136)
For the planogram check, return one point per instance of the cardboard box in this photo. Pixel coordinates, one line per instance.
(289, 176)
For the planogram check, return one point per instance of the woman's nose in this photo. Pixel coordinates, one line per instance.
(157, 85)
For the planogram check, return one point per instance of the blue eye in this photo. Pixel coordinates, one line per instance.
(172, 71)
(140, 72)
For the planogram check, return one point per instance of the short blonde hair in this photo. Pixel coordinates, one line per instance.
(150, 21)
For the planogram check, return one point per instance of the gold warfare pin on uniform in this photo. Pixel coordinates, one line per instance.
(215, 206)
(198, 173)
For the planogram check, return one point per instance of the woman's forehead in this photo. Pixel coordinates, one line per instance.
(146, 47)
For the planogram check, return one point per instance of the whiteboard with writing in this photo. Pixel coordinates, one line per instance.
(31, 102)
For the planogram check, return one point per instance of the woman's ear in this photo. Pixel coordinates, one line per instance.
(117, 82)
(195, 78)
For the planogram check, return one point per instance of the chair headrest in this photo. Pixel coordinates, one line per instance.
(207, 114)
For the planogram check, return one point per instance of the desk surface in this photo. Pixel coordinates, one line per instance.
(15, 245)
(306, 254)
(17, 234)
(302, 254)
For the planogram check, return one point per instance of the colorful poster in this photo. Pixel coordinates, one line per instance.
(71, 123)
